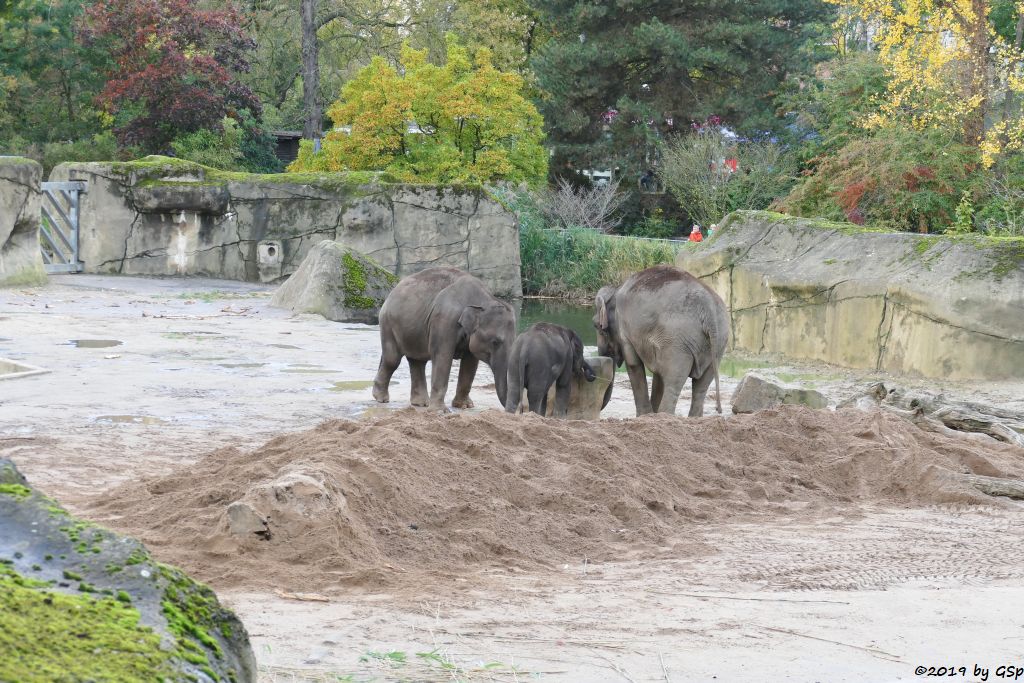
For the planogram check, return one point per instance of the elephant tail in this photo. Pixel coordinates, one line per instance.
(715, 360)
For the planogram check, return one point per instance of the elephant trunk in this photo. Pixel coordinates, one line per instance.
(499, 366)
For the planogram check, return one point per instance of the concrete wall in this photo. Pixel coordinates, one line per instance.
(21, 262)
(904, 303)
(161, 216)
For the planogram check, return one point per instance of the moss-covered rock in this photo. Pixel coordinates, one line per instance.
(338, 283)
(80, 603)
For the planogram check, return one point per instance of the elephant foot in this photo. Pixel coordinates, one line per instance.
(381, 396)
(462, 403)
(418, 401)
(434, 408)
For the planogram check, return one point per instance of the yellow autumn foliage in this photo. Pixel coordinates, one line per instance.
(947, 69)
(465, 121)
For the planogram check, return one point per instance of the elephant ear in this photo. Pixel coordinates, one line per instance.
(470, 318)
(602, 312)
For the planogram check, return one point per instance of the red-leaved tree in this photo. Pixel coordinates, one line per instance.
(174, 67)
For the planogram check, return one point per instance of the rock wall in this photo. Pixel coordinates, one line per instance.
(926, 305)
(21, 262)
(162, 216)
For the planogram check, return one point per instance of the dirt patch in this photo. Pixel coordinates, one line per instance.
(413, 494)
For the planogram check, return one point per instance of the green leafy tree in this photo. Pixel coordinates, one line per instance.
(48, 78)
(696, 172)
(464, 121)
(622, 75)
(895, 177)
(237, 146)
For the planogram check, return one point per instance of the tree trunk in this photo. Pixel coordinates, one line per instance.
(1018, 41)
(311, 128)
(977, 71)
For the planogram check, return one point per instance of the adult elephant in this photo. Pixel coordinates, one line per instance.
(442, 314)
(664, 319)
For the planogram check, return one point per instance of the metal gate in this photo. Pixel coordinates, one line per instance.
(58, 233)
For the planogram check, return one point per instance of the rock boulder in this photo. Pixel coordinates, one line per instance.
(338, 283)
(21, 262)
(588, 399)
(755, 393)
(79, 602)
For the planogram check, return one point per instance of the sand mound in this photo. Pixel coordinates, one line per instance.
(413, 493)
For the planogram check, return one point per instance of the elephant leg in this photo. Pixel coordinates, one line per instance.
(390, 357)
(674, 383)
(657, 391)
(563, 388)
(440, 369)
(537, 395)
(700, 392)
(467, 371)
(418, 372)
(638, 380)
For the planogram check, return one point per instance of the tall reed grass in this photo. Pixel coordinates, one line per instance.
(576, 262)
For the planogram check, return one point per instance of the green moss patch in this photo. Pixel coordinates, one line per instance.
(354, 284)
(16, 491)
(192, 612)
(742, 217)
(47, 636)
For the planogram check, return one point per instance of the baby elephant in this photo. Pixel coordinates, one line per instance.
(543, 355)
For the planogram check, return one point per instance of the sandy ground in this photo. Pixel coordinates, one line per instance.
(866, 596)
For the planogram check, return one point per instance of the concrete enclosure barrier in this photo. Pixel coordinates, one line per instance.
(21, 262)
(925, 305)
(163, 216)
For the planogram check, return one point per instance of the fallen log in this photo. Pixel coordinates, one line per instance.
(932, 411)
(961, 420)
(994, 486)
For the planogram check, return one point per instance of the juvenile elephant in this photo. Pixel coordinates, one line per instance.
(543, 355)
(664, 319)
(442, 314)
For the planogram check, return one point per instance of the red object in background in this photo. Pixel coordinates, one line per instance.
(732, 165)
(695, 234)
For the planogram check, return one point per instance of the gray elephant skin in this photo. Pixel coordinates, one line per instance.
(545, 354)
(668, 321)
(443, 314)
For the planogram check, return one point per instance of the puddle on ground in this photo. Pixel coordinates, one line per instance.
(132, 419)
(241, 365)
(372, 411)
(310, 371)
(94, 343)
(283, 346)
(352, 385)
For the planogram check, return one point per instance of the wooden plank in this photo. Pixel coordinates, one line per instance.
(79, 185)
(63, 268)
(60, 211)
(55, 227)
